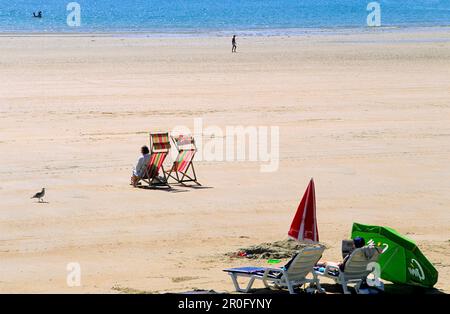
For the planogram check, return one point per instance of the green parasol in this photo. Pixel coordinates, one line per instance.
(401, 260)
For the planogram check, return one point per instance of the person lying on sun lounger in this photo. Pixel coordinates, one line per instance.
(354, 269)
(357, 243)
(139, 170)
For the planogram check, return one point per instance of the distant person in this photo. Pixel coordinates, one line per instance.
(38, 15)
(139, 170)
(233, 44)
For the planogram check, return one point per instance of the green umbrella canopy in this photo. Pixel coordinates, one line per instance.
(401, 260)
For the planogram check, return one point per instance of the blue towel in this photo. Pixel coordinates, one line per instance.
(246, 270)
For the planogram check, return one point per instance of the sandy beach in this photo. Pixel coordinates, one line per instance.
(366, 115)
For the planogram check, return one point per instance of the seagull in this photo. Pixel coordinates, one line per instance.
(40, 195)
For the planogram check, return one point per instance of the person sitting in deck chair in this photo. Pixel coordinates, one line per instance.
(358, 242)
(354, 269)
(139, 170)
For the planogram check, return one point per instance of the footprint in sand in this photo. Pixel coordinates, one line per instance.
(184, 278)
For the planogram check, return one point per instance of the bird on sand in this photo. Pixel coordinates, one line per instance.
(40, 195)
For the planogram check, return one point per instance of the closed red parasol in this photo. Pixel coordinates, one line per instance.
(304, 225)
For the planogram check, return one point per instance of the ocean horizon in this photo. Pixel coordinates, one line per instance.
(191, 17)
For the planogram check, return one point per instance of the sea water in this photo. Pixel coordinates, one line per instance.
(216, 16)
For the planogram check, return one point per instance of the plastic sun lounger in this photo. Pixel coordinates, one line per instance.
(291, 275)
(159, 149)
(356, 269)
(183, 170)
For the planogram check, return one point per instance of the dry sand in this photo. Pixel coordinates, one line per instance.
(366, 115)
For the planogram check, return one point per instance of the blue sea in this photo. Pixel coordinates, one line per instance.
(216, 16)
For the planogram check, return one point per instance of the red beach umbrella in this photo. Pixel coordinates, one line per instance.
(304, 225)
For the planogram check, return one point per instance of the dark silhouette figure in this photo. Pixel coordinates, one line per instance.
(38, 15)
(233, 44)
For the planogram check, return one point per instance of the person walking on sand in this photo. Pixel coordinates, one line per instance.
(233, 44)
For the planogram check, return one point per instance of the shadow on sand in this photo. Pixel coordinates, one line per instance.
(197, 187)
(162, 189)
(390, 288)
(178, 188)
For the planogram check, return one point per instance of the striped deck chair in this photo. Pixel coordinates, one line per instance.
(183, 164)
(159, 149)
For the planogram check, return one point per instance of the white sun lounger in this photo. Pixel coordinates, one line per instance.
(292, 275)
(356, 268)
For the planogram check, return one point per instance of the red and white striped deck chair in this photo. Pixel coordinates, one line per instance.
(159, 149)
(183, 167)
